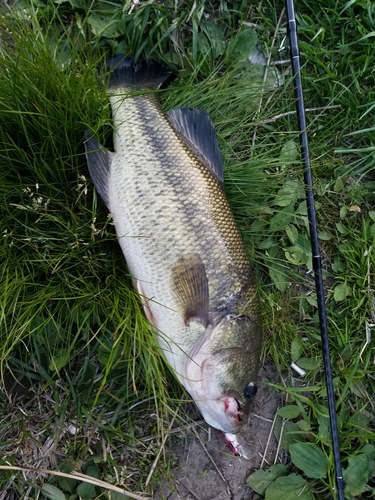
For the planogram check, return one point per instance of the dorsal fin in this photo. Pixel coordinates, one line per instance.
(99, 162)
(198, 132)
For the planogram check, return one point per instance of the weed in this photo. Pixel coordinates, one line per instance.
(74, 341)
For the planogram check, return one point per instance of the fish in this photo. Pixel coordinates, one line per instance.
(164, 187)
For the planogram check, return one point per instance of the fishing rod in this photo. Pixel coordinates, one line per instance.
(316, 258)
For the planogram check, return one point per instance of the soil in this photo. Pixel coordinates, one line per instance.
(207, 469)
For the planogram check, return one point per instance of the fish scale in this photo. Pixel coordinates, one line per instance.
(163, 186)
(209, 232)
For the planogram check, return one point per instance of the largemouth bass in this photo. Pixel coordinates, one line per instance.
(164, 187)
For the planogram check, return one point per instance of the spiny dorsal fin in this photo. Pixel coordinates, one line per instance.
(99, 162)
(190, 287)
(197, 130)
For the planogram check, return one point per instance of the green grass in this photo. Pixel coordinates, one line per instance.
(71, 328)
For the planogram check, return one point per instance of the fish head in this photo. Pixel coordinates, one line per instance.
(225, 367)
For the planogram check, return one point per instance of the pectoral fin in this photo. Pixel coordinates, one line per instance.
(190, 286)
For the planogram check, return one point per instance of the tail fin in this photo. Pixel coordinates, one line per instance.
(142, 75)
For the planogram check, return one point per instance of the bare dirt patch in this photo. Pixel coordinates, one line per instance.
(206, 468)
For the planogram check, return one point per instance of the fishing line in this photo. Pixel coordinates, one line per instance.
(316, 259)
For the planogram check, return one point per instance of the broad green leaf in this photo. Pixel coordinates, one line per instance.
(289, 152)
(292, 233)
(216, 38)
(296, 348)
(263, 210)
(347, 352)
(292, 487)
(93, 471)
(341, 292)
(279, 278)
(309, 363)
(52, 493)
(204, 45)
(261, 479)
(301, 251)
(304, 426)
(368, 449)
(273, 254)
(357, 474)
(291, 433)
(115, 495)
(296, 255)
(359, 421)
(258, 225)
(288, 194)
(105, 25)
(338, 265)
(324, 430)
(282, 219)
(339, 185)
(242, 46)
(268, 243)
(304, 243)
(343, 212)
(310, 459)
(359, 389)
(321, 409)
(312, 300)
(324, 236)
(67, 484)
(86, 491)
(289, 411)
(343, 415)
(341, 228)
(302, 208)
(372, 215)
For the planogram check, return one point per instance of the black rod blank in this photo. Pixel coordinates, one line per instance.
(316, 258)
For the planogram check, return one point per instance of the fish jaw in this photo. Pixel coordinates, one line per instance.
(220, 408)
(223, 413)
(222, 369)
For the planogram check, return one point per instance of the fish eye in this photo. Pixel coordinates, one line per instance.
(250, 390)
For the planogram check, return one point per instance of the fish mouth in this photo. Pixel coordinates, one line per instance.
(224, 413)
(214, 388)
(233, 412)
